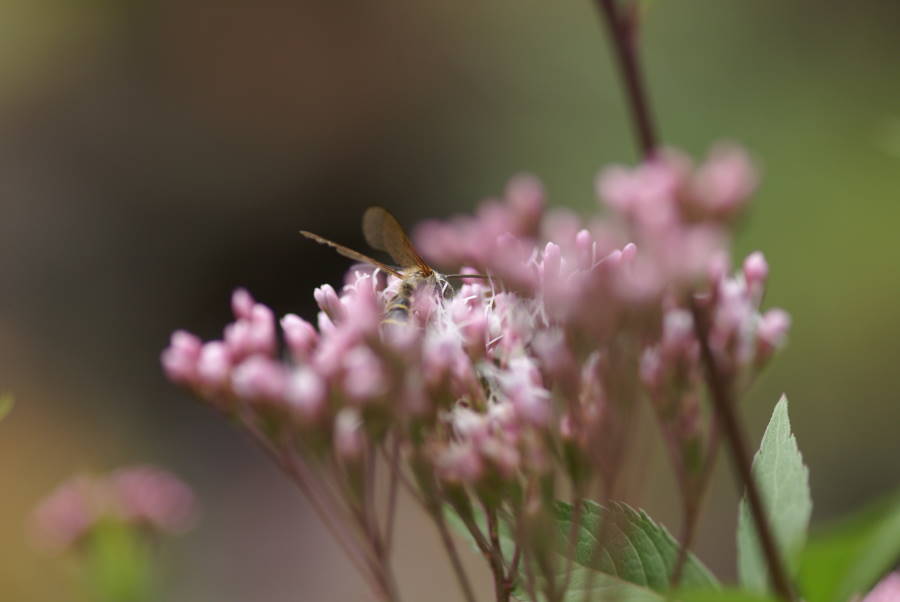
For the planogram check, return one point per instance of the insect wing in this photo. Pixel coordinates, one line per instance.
(351, 254)
(384, 232)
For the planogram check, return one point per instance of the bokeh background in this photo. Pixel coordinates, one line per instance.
(155, 155)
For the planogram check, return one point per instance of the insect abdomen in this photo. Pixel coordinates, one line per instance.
(397, 310)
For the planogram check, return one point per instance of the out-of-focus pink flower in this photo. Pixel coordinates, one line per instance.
(66, 515)
(181, 356)
(214, 366)
(723, 184)
(305, 393)
(887, 590)
(253, 331)
(771, 333)
(151, 496)
(259, 378)
(301, 337)
(141, 496)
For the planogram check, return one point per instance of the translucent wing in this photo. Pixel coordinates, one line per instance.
(350, 253)
(384, 232)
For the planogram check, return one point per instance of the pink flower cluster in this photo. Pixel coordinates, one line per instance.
(459, 368)
(142, 495)
(497, 373)
(490, 386)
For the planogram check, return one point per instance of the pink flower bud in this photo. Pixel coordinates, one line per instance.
(584, 244)
(214, 366)
(460, 464)
(180, 358)
(551, 264)
(306, 393)
(362, 311)
(678, 331)
(329, 302)
(300, 336)
(259, 379)
(724, 183)
(349, 439)
(557, 359)
(772, 329)
(525, 197)
(521, 384)
(253, 334)
(756, 271)
(365, 377)
(615, 186)
(242, 304)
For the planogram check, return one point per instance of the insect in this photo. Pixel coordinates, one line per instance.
(384, 233)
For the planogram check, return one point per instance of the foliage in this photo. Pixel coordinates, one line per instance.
(783, 481)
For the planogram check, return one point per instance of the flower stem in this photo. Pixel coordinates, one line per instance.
(736, 441)
(450, 547)
(622, 32)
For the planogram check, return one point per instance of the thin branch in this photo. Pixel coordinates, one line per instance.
(450, 547)
(622, 31)
(724, 405)
(496, 555)
(393, 487)
(345, 541)
(694, 502)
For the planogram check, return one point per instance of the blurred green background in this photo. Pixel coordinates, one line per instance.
(154, 155)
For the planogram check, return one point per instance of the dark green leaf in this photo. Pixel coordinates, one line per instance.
(635, 548)
(783, 482)
(848, 557)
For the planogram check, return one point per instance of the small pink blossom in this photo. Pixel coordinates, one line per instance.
(301, 337)
(214, 366)
(259, 379)
(180, 358)
(305, 393)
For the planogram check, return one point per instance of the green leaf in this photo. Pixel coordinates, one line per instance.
(604, 587)
(783, 482)
(635, 561)
(119, 564)
(6, 405)
(723, 595)
(849, 556)
(634, 548)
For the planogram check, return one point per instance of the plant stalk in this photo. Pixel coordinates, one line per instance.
(622, 34)
(734, 437)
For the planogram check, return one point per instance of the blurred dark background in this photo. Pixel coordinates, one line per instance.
(155, 155)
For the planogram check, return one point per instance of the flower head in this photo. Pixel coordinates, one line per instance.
(141, 496)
